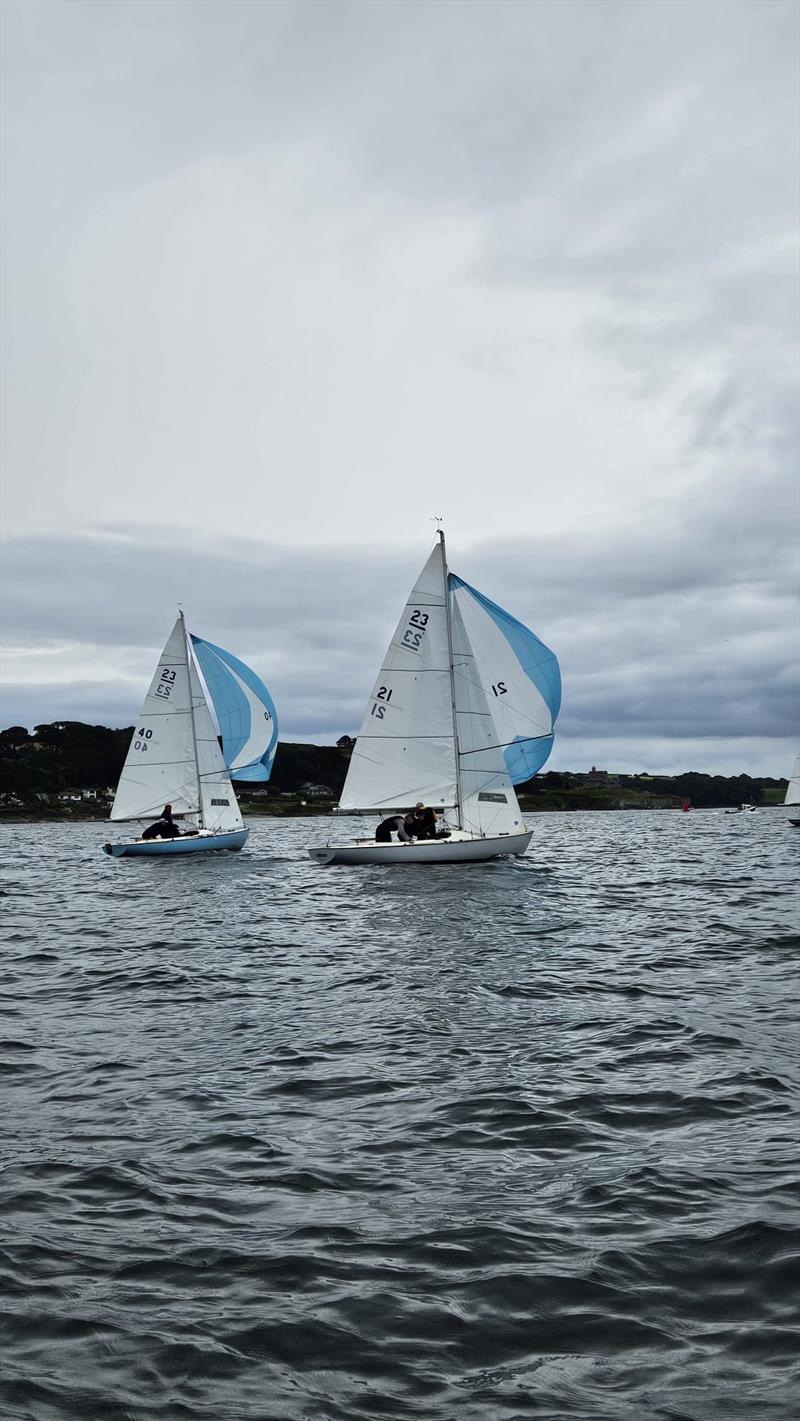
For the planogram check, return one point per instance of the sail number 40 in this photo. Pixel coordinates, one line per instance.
(383, 695)
(142, 737)
(415, 631)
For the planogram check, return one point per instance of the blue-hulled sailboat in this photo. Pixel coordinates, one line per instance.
(175, 756)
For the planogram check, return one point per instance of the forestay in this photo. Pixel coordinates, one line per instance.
(160, 766)
(489, 805)
(519, 675)
(245, 710)
(405, 749)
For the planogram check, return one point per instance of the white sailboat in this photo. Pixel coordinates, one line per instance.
(793, 790)
(462, 710)
(175, 757)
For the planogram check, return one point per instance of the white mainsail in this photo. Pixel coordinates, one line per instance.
(174, 756)
(793, 787)
(160, 767)
(405, 750)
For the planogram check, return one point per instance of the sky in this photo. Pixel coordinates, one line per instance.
(284, 282)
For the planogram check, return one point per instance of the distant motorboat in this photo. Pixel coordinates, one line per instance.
(742, 809)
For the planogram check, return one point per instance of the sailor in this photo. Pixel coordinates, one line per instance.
(164, 828)
(383, 833)
(421, 822)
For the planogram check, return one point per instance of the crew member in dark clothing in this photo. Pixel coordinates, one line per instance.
(383, 833)
(164, 828)
(421, 822)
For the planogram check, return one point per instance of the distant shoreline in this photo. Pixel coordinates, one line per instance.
(22, 816)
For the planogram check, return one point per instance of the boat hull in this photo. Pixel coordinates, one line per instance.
(456, 849)
(202, 843)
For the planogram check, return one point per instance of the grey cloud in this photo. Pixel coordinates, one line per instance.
(678, 638)
(326, 270)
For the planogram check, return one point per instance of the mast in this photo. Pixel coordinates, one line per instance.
(194, 728)
(459, 795)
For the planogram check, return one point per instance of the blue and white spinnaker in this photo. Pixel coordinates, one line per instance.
(245, 710)
(520, 677)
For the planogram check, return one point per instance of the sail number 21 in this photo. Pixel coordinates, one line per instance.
(384, 695)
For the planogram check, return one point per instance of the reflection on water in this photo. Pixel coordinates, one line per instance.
(483, 1141)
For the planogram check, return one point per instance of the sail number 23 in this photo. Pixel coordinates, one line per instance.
(415, 631)
(164, 687)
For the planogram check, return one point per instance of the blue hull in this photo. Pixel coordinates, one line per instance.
(161, 848)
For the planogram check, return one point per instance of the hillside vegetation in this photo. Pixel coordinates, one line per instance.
(68, 769)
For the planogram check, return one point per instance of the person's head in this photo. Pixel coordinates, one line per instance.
(167, 808)
(419, 807)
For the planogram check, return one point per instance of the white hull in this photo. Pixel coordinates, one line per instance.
(203, 843)
(459, 848)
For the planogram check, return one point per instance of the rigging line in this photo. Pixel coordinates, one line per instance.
(504, 744)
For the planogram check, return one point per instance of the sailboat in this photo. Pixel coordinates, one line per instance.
(463, 709)
(175, 756)
(793, 790)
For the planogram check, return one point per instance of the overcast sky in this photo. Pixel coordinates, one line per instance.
(284, 281)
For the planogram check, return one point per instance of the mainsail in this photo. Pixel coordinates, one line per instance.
(520, 676)
(405, 750)
(245, 710)
(160, 766)
(793, 787)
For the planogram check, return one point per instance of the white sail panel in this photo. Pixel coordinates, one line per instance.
(520, 676)
(405, 750)
(489, 804)
(219, 809)
(793, 787)
(160, 765)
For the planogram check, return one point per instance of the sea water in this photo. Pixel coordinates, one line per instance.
(479, 1141)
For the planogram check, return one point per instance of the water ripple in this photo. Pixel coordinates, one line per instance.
(292, 1144)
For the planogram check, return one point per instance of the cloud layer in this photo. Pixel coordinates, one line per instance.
(282, 282)
(674, 644)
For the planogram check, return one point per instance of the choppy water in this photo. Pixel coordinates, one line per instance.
(498, 1141)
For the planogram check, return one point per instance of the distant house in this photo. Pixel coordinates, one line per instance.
(316, 791)
(88, 794)
(345, 742)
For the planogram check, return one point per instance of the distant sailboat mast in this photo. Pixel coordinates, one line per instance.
(459, 793)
